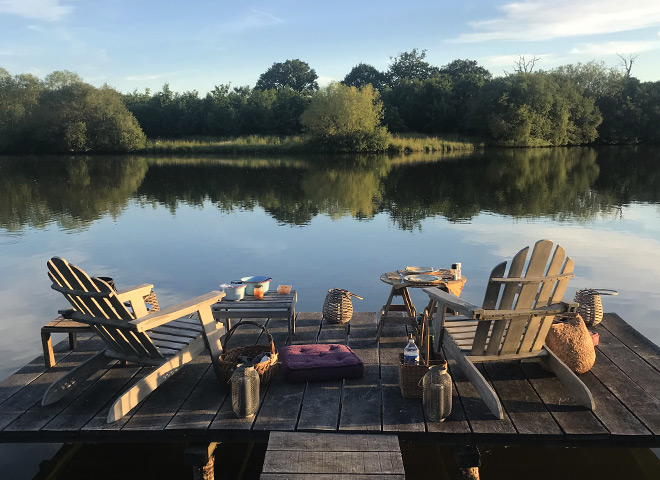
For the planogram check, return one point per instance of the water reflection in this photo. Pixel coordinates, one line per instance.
(559, 183)
(73, 192)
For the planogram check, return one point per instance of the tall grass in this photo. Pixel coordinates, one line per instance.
(252, 144)
(268, 145)
(418, 143)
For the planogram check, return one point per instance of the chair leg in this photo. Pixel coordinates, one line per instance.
(140, 390)
(484, 389)
(570, 380)
(64, 385)
(47, 345)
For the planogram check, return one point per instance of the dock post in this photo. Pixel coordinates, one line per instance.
(468, 461)
(202, 458)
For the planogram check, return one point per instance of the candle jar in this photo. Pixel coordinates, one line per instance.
(436, 395)
(244, 391)
(258, 292)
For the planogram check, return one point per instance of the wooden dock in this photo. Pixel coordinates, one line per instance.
(192, 406)
(321, 456)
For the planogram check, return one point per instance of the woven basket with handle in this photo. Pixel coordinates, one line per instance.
(591, 306)
(338, 307)
(151, 299)
(410, 376)
(229, 359)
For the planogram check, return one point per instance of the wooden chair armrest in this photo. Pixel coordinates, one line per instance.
(454, 303)
(135, 293)
(156, 319)
(135, 297)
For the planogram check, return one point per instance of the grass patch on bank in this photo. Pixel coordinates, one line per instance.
(271, 145)
(420, 143)
(252, 144)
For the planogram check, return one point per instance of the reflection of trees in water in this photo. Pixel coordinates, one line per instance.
(561, 183)
(290, 192)
(629, 174)
(347, 187)
(70, 191)
(530, 182)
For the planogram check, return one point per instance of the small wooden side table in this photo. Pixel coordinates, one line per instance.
(406, 313)
(273, 305)
(60, 325)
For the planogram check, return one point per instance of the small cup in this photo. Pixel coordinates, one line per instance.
(258, 292)
(284, 289)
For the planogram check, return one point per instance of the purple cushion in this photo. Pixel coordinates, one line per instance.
(319, 363)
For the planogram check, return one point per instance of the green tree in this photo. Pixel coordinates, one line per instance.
(342, 118)
(423, 106)
(19, 96)
(467, 78)
(78, 117)
(594, 78)
(410, 66)
(534, 109)
(294, 74)
(363, 74)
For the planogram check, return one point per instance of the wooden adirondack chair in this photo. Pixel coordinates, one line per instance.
(514, 329)
(160, 339)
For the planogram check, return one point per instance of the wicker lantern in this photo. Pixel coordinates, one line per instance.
(591, 306)
(245, 391)
(338, 307)
(436, 395)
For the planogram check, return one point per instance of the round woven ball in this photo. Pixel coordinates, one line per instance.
(570, 340)
(338, 307)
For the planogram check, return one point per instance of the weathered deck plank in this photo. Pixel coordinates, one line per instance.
(309, 455)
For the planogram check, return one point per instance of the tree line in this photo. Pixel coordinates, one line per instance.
(570, 105)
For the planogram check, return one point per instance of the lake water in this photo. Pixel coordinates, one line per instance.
(188, 224)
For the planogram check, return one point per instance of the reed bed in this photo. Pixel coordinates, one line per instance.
(269, 145)
(252, 144)
(418, 143)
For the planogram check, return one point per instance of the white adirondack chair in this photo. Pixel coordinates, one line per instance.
(515, 328)
(159, 339)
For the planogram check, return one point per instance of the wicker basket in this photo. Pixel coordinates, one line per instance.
(591, 306)
(228, 360)
(153, 301)
(410, 376)
(150, 300)
(338, 307)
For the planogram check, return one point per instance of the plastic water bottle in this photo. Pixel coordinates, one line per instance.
(411, 352)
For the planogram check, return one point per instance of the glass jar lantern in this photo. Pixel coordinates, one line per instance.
(436, 393)
(244, 391)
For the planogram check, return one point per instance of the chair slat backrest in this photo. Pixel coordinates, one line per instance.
(94, 297)
(538, 287)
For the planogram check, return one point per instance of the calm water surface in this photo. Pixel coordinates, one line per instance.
(189, 224)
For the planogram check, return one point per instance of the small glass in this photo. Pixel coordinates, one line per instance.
(259, 292)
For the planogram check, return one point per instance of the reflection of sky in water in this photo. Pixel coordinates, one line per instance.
(194, 250)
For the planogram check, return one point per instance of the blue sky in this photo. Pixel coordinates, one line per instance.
(196, 45)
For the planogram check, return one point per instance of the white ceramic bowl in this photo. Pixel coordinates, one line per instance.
(234, 291)
(252, 282)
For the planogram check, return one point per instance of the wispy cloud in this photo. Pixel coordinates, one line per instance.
(50, 10)
(610, 48)
(151, 76)
(254, 19)
(547, 19)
